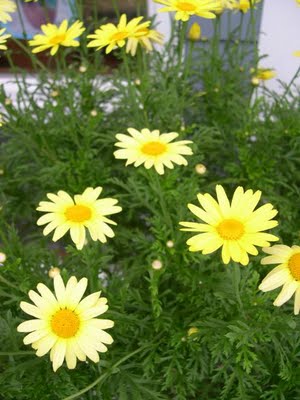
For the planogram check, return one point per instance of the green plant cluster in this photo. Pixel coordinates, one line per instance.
(243, 348)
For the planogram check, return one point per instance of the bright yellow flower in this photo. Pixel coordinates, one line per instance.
(194, 32)
(244, 5)
(144, 37)
(185, 9)
(286, 274)
(152, 149)
(112, 36)
(6, 7)
(264, 74)
(3, 39)
(55, 36)
(85, 211)
(65, 324)
(296, 53)
(235, 227)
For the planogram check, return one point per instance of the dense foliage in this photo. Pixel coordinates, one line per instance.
(52, 139)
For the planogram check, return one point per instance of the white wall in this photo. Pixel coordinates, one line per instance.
(279, 38)
(162, 20)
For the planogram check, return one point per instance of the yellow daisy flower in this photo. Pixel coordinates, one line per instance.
(55, 36)
(185, 9)
(286, 274)
(3, 39)
(84, 211)
(111, 36)
(65, 324)
(244, 5)
(145, 37)
(235, 227)
(6, 7)
(263, 74)
(152, 149)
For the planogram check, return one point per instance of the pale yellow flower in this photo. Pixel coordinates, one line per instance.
(152, 149)
(234, 226)
(55, 36)
(85, 211)
(185, 9)
(144, 37)
(6, 8)
(65, 324)
(244, 5)
(286, 274)
(263, 74)
(112, 36)
(296, 53)
(3, 39)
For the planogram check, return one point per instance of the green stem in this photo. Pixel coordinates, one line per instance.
(236, 278)
(16, 353)
(181, 47)
(159, 191)
(104, 376)
(291, 82)
(3, 280)
(131, 89)
(116, 7)
(21, 20)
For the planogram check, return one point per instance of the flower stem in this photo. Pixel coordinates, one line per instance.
(105, 375)
(3, 280)
(16, 353)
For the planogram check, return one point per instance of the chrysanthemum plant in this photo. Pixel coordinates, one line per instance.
(148, 197)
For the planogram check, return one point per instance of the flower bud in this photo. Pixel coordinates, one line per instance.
(195, 32)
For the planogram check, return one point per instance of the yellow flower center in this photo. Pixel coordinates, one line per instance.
(78, 213)
(185, 6)
(57, 39)
(65, 323)
(230, 229)
(119, 36)
(153, 148)
(294, 266)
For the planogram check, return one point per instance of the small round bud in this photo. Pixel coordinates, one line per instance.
(7, 101)
(82, 69)
(192, 331)
(255, 81)
(1, 171)
(54, 93)
(200, 169)
(170, 244)
(157, 264)
(53, 271)
(2, 257)
(137, 82)
(94, 113)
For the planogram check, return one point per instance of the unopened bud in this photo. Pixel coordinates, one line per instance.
(94, 113)
(53, 271)
(2, 257)
(200, 169)
(157, 264)
(195, 32)
(192, 331)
